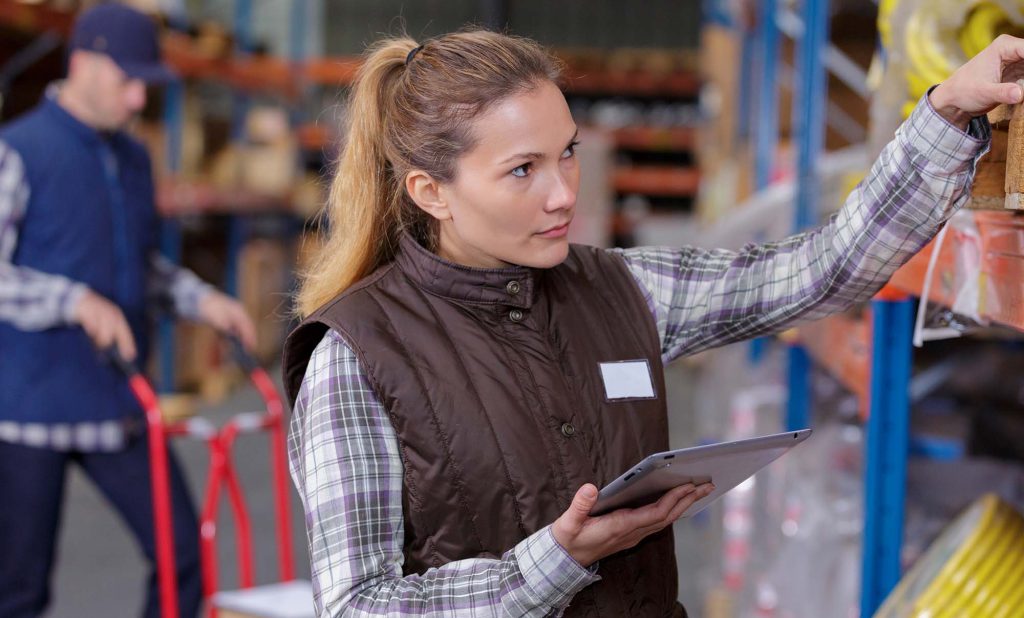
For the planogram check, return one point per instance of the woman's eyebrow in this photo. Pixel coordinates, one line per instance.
(533, 156)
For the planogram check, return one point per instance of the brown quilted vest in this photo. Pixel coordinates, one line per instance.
(491, 380)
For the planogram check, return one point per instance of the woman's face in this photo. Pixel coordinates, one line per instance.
(514, 194)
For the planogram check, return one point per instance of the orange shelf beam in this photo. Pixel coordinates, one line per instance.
(1000, 270)
(35, 18)
(318, 137)
(657, 180)
(842, 345)
(315, 137)
(678, 84)
(175, 198)
(279, 76)
(339, 71)
(249, 73)
(654, 138)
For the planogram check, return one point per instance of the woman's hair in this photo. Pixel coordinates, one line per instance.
(405, 116)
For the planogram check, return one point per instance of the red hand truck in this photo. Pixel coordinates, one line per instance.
(221, 476)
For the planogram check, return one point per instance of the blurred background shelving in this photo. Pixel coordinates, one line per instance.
(713, 123)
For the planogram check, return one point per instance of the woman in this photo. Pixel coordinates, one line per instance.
(451, 425)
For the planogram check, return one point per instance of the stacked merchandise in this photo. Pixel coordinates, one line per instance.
(922, 44)
(925, 41)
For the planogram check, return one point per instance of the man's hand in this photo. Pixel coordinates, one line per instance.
(105, 324)
(228, 316)
(985, 81)
(588, 539)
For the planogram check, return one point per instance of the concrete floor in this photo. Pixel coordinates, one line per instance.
(101, 573)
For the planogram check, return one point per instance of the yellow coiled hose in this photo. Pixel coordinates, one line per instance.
(975, 569)
(933, 48)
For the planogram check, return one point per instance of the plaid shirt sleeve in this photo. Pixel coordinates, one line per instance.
(29, 299)
(704, 298)
(345, 462)
(33, 300)
(174, 288)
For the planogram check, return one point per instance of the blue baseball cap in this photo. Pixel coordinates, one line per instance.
(129, 37)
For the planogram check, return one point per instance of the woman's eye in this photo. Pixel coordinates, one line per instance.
(522, 171)
(570, 151)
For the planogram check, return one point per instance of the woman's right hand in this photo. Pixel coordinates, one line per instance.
(589, 539)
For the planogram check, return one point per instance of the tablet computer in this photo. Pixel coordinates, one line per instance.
(726, 464)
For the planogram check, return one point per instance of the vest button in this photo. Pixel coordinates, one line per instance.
(512, 288)
(568, 430)
(515, 315)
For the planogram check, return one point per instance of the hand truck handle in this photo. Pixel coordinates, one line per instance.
(127, 367)
(245, 360)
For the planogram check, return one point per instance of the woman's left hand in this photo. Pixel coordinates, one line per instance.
(983, 82)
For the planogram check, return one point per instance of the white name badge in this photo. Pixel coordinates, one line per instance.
(629, 379)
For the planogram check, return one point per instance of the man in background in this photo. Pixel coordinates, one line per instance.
(79, 275)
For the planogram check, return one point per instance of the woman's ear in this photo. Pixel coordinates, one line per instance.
(427, 194)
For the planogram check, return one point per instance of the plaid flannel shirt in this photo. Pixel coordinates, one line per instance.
(344, 453)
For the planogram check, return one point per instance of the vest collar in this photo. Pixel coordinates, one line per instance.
(65, 119)
(513, 286)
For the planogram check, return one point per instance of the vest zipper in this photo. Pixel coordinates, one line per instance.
(119, 223)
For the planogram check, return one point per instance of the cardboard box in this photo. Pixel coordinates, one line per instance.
(198, 354)
(265, 169)
(989, 189)
(175, 407)
(310, 196)
(720, 53)
(264, 281)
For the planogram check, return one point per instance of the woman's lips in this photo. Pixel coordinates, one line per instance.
(555, 232)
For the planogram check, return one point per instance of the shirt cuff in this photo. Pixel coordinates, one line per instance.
(69, 302)
(944, 145)
(552, 574)
(188, 298)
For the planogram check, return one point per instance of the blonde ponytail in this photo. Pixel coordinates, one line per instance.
(361, 201)
(404, 116)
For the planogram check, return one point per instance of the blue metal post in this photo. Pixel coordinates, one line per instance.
(170, 232)
(237, 232)
(746, 89)
(298, 47)
(716, 12)
(798, 406)
(809, 124)
(766, 132)
(297, 31)
(766, 129)
(298, 51)
(236, 227)
(809, 109)
(888, 437)
(243, 25)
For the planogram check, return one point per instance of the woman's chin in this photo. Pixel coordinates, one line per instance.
(548, 254)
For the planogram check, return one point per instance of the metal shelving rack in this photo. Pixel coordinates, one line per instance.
(892, 312)
(877, 362)
(174, 98)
